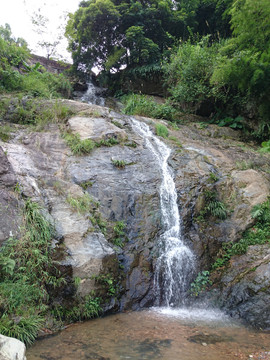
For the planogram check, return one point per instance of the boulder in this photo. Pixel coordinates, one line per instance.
(96, 129)
(11, 349)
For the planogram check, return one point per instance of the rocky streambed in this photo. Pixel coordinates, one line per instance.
(111, 247)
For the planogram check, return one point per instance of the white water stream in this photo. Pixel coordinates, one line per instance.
(91, 96)
(175, 263)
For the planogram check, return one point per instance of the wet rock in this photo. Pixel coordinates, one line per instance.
(48, 173)
(11, 349)
(243, 290)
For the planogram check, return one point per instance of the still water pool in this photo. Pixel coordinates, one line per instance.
(153, 335)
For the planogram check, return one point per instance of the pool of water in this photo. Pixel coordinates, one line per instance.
(155, 334)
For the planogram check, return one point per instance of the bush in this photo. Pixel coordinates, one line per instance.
(189, 72)
(201, 283)
(78, 146)
(213, 207)
(16, 75)
(27, 270)
(161, 130)
(145, 106)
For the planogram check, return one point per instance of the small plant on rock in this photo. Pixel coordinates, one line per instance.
(259, 234)
(120, 164)
(213, 207)
(78, 146)
(201, 283)
(82, 204)
(119, 234)
(161, 130)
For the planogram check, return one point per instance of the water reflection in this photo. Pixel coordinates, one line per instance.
(154, 335)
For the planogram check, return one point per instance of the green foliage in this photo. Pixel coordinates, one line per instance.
(24, 329)
(189, 72)
(261, 213)
(258, 234)
(213, 207)
(27, 269)
(86, 184)
(201, 283)
(17, 75)
(28, 272)
(243, 67)
(213, 178)
(236, 123)
(245, 164)
(145, 106)
(96, 219)
(176, 141)
(5, 132)
(28, 111)
(78, 146)
(86, 308)
(119, 234)
(109, 142)
(108, 283)
(161, 130)
(120, 164)
(109, 34)
(82, 204)
(265, 146)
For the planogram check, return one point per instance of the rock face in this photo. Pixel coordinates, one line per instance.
(244, 288)
(41, 166)
(11, 349)
(9, 205)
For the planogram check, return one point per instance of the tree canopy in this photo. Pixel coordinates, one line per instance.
(109, 34)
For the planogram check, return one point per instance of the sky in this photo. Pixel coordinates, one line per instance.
(18, 14)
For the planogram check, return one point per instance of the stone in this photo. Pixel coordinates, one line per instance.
(96, 129)
(86, 258)
(244, 288)
(11, 349)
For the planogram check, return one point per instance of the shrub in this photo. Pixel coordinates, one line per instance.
(213, 207)
(119, 233)
(145, 106)
(78, 146)
(161, 130)
(189, 72)
(201, 283)
(27, 270)
(120, 164)
(82, 204)
(265, 146)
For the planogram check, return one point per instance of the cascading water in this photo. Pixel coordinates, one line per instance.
(91, 96)
(175, 263)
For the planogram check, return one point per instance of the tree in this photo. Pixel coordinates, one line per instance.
(113, 33)
(244, 64)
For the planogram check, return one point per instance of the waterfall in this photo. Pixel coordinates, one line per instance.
(175, 262)
(91, 96)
